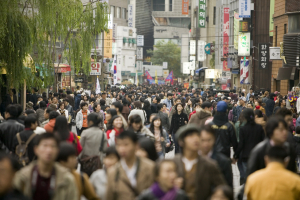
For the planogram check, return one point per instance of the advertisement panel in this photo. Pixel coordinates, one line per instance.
(139, 40)
(108, 44)
(245, 8)
(236, 30)
(244, 44)
(186, 68)
(225, 38)
(202, 13)
(210, 73)
(185, 7)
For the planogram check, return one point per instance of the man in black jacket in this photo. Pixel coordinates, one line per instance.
(208, 138)
(155, 102)
(10, 128)
(34, 97)
(270, 103)
(225, 132)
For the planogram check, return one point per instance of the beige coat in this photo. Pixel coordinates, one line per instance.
(118, 186)
(65, 186)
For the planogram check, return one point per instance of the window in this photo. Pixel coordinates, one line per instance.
(275, 36)
(158, 5)
(124, 13)
(170, 5)
(214, 19)
(118, 12)
(294, 23)
(112, 10)
(284, 28)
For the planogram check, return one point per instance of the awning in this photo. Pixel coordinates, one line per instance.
(286, 73)
(62, 68)
(124, 40)
(129, 40)
(198, 70)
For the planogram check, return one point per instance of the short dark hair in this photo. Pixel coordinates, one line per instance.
(102, 102)
(118, 105)
(92, 99)
(29, 111)
(169, 94)
(95, 118)
(277, 153)
(43, 104)
(160, 163)
(298, 130)
(284, 112)
(65, 151)
(66, 100)
(206, 104)
(148, 145)
(53, 115)
(209, 130)
(46, 136)
(137, 105)
(49, 109)
(258, 113)
(61, 103)
(83, 104)
(130, 135)
(158, 99)
(14, 163)
(12, 110)
(160, 106)
(273, 123)
(112, 151)
(30, 119)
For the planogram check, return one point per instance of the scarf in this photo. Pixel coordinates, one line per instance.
(161, 195)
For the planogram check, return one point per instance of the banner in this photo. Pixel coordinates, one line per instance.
(236, 30)
(98, 89)
(115, 70)
(202, 13)
(245, 8)
(225, 38)
(108, 44)
(185, 7)
(186, 85)
(263, 58)
(130, 15)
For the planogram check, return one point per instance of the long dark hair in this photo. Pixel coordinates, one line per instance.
(146, 105)
(152, 125)
(61, 128)
(112, 112)
(248, 115)
(135, 119)
(148, 145)
(111, 121)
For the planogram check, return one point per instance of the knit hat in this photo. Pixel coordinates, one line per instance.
(222, 106)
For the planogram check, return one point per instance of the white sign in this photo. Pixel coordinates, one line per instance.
(244, 8)
(210, 73)
(201, 52)
(192, 65)
(186, 68)
(95, 68)
(192, 72)
(226, 75)
(139, 65)
(165, 73)
(192, 47)
(192, 58)
(110, 21)
(275, 53)
(165, 65)
(130, 61)
(114, 48)
(139, 53)
(244, 44)
(139, 40)
(114, 31)
(130, 15)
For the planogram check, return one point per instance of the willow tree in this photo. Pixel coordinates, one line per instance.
(69, 23)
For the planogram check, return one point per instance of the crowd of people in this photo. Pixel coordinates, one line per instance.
(113, 145)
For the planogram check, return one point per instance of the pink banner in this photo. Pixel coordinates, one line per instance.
(226, 38)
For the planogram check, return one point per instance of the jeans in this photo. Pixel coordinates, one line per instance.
(79, 131)
(177, 147)
(243, 171)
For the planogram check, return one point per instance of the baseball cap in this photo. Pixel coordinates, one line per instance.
(242, 98)
(222, 106)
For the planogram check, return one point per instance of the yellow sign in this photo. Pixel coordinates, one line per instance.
(108, 44)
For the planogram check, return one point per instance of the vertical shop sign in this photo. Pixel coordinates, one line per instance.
(236, 30)
(263, 55)
(245, 8)
(225, 38)
(185, 7)
(108, 44)
(130, 15)
(202, 13)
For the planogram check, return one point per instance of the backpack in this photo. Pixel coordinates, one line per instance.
(21, 149)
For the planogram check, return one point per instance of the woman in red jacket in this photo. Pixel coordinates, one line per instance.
(61, 128)
(114, 127)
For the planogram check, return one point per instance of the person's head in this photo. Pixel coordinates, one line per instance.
(135, 123)
(242, 101)
(50, 100)
(67, 155)
(146, 104)
(118, 106)
(61, 106)
(249, 105)
(8, 167)
(137, 105)
(61, 128)
(107, 108)
(222, 106)
(205, 106)
(276, 129)
(31, 121)
(111, 157)
(277, 154)
(154, 100)
(110, 113)
(93, 120)
(84, 106)
(179, 107)
(47, 112)
(66, 102)
(43, 105)
(103, 95)
(55, 100)
(158, 99)
(282, 102)
(46, 147)
(160, 107)
(102, 102)
(286, 114)
(146, 149)
(11, 111)
(177, 101)
(126, 144)
(96, 107)
(188, 137)
(53, 115)
(116, 122)
(222, 192)
(248, 115)
(208, 138)
(28, 112)
(166, 173)
(169, 96)
(258, 113)
(85, 98)
(251, 90)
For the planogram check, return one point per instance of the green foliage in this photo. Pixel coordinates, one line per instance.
(167, 52)
(212, 61)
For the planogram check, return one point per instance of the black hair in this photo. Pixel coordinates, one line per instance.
(152, 125)
(95, 106)
(65, 151)
(61, 128)
(14, 163)
(102, 102)
(298, 130)
(160, 163)
(177, 106)
(209, 130)
(112, 112)
(169, 94)
(248, 115)
(30, 119)
(69, 92)
(277, 153)
(111, 121)
(149, 146)
(95, 118)
(130, 135)
(29, 111)
(125, 102)
(160, 106)
(92, 99)
(206, 104)
(12, 110)
(273, 123)
(118, 105)
(67, 100)
(258, 113)
(146, 105)
(112, 151)
(135, 119)
(83, 104)
(53, 115)
(227, 191)
(284, 112)
(46, 136)
(43, 105)
(60, 104)
(142, 99)
(158, 99)
(19, 108)
(49, 109)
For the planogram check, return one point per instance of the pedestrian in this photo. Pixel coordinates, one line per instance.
(114, 128)
(163, 117)
(138, 111)
(67, 157)
(241, 107)
(281, 183)
(132, 174)
(102, 104)
(91, 104)
(40, 112)
(270, 104)
(62, 131)
(62, 111)
(155, 101)
(46, 117)
(259, 105)
(100, 113)
(251, 93)
(77, 99)
(34, 180)
(169, 101)
(223, 192)
(81, 118)
(135, 125)
(70, 97)
(126, 109)
(84, 98)
(108, 101)
(202, 115)
(198, 174)
(108, 115)
(69, 108)
(260, 119)
(164, 187)
(52, 118)
(99, 177)
(146, 149)
(147, 110)
(119, 108)
(208, 139)
(173, 110)
(226, 136)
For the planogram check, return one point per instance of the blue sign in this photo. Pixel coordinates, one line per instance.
(207, 48)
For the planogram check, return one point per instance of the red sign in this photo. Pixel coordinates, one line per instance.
(186, 85)
(95, 69)
(224, 86)
(185, 7)
(225, 38)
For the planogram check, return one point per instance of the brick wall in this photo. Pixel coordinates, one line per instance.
(279, 8)
(292, 5)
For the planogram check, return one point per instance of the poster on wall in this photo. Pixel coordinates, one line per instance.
(185, 7)
(225, 38)
(245, 8)
(202, 13)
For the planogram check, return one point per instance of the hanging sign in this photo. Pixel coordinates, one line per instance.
(263, 59)
(95, 68)
(185, 7)
(245, 8)
(202, 13)
(244, 44)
